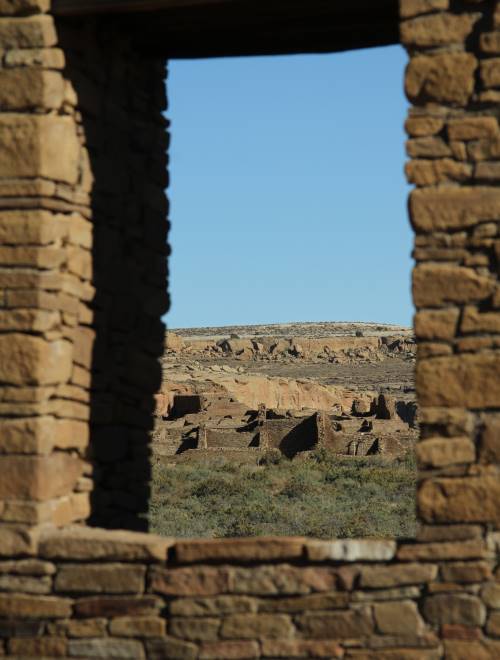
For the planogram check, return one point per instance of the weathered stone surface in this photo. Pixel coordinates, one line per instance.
(196, 630)
(436, 324)
(33, 32)
(39, 477)
(92, 544)
(475, 321)
(146, 626)
(398, 618)
(472, 128)
(100, 578)
(42, 145)
(33, 567)
(169, 647)
(327, 601)
(212, 606)
(490, 595)
(28, 360)
(439, 452)
(453, 208)
(301, 648)
(106, 648)
(34, 607)
(229, 650)
(28, 88)
(436, 551)
(258, 549)
(111, 606)
(485, 649)
(354, 623)
(257, 626)
(78, 628)
(436, 533)
(26, 584)
(31, 227)
(39, 647)
(468, 380)
(351, 550)
(409, 8)
(428, 147)
(375, 577)
(195, 581)
(45, 58)
(486, 170)
(449, 421)
(438, 29)
(13, 7)
(16, 540)
(33, 435)
(490, 72)
(443, 78)
(489, 447)
(454, 608)
(421, 126)
(465, 572)
(282, 579)
(469, 499)
(427, 172)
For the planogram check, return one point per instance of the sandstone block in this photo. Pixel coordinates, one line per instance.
(195, 581)
(29, 360)
(422, 126)
(233, 650)
(169, 647)
(440, 452)
(436, 324)
(39, 477)
(145, 626)
(490, 72)
(31, 227)
(448, 421)
(437, 29)
(443, 78)
(475, 321)
(426, 172)
(428, 147)
(45, 58)
(114, 606)
(490, 595)
(489, 448)
(351, 550)
(16, 540)
(39, 145)
(39, 647)
(33, 435)
(301, 648)
(100, 578)
(398, 618)
(283, 579)
(257, 626)
(34, 607)
(31, 32)
(435, 285)
(488, 171)
(326, 601)
(352, 624)
(84, 339)
(454, 608)
(212, 606)
(26, 584)
(436, 533)
(410, 8)
(260, 549)
(13, 7)
(78, 628)
(490, 42)
(465, 572)
(32, 567)
(472, 128)
(29, 320)
(195, 630)
(485, 649)
(454, 208)
(468, 499)
(375, 577)
(29, 88)
(106, 648)
(474, 549)
(467, 380)
(493, 624)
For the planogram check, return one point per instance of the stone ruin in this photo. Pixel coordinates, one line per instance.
(82, 270)
(214, 421)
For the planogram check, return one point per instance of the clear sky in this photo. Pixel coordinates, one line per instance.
(288, 198)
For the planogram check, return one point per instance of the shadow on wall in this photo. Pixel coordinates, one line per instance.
(121, 97)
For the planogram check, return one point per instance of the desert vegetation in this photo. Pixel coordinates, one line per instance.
(324, 496)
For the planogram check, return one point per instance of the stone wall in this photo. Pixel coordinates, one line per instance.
(82, 167)
(83, 267)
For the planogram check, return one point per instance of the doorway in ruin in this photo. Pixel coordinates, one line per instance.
(288, 205)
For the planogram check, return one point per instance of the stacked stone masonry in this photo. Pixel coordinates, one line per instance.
(82, 290)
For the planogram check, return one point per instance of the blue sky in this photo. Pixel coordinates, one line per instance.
(288, 198)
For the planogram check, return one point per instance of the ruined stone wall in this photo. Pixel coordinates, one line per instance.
(81, 266)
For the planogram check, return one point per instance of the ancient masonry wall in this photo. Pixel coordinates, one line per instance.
(82, 269)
